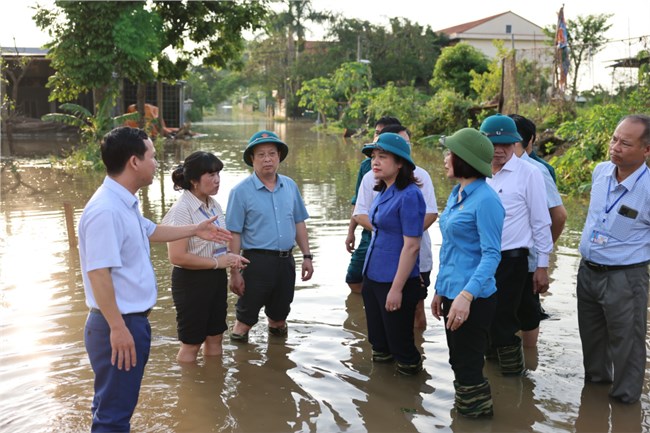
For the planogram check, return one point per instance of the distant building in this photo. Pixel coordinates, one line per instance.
(517, 32)
(33, 94)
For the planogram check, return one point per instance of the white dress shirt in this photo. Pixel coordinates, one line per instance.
(523, 195)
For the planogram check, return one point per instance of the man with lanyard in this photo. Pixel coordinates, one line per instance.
(520, 186)
(612, 286)
(266, 215)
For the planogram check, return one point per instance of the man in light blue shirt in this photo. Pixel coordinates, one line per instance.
(119, 280)
(612, 286)
(266, 215)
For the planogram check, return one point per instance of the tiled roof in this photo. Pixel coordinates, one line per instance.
(461, 28)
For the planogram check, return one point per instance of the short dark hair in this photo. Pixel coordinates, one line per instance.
(395, 128)
(388, 120)
(195, 166)
(119, 145)
(526, 129)
(463, 169)
(644, 119)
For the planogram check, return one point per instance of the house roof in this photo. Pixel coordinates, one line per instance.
(458, 30)
(631, 62)
(461, 28)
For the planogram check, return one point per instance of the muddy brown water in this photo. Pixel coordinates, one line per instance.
(321, 378)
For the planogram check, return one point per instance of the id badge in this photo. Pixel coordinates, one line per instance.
(599, 238)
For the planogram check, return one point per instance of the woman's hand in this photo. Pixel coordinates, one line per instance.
(393, 300)
(231, 260)
(458, 313)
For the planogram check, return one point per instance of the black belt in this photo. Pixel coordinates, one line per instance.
(283, 254)
(515, 253)
(142, 313)
(604, 268)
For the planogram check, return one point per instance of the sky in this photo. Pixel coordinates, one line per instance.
(631, 20)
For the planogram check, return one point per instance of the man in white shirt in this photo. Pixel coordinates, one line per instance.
(530, 309)
(367, 194)
(526, 226)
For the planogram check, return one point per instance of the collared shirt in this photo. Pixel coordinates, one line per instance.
(520, 187)
(113, 234)
(624, 240)
(471, 241)
(265, 219)
(367, 194)
(394, 214)
(187, 210)
(364, 168)
(553, 199)
(545, 163)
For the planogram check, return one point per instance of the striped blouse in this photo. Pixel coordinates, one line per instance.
(190, 210)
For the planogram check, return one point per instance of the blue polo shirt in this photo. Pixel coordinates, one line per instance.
(471, 241)
(612, 236)
(394, 214)
(265, 219)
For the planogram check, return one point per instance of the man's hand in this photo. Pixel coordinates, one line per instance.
(237, 284)
(122, 348)
(349, 242)
(540, 280)
(307, 269)
(208, 231)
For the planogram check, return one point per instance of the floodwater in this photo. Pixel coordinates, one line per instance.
(321, 378)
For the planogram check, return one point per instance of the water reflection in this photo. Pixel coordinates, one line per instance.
(320, 378)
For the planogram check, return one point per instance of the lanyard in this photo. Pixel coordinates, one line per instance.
(609, 186)
(215, 222)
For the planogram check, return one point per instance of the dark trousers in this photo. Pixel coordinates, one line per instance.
(530, 307)
(468, 344)
(116, 391)
(613, 318)
(270, 283)
(510, 280)
(392, 332)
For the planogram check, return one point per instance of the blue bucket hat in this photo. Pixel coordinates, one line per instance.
(264, 137)
(393, 143)
(500, 129)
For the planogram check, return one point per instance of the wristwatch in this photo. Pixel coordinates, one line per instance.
(308, 256)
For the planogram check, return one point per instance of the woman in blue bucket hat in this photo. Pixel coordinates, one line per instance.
(391, 276)
(465, 287)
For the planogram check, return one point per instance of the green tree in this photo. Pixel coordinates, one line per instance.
(404, 53)
(454, 66)
(316, 94)
(586, 37)
(93, 42)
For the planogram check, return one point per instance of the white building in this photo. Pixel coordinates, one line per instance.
(517, 32)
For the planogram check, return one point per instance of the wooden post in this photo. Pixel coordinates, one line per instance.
(69, 223)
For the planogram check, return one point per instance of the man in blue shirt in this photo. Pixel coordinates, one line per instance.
(119, 280)
(266, 215)
(612, 286)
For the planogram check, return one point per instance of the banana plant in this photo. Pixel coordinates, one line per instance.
(91, 127)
